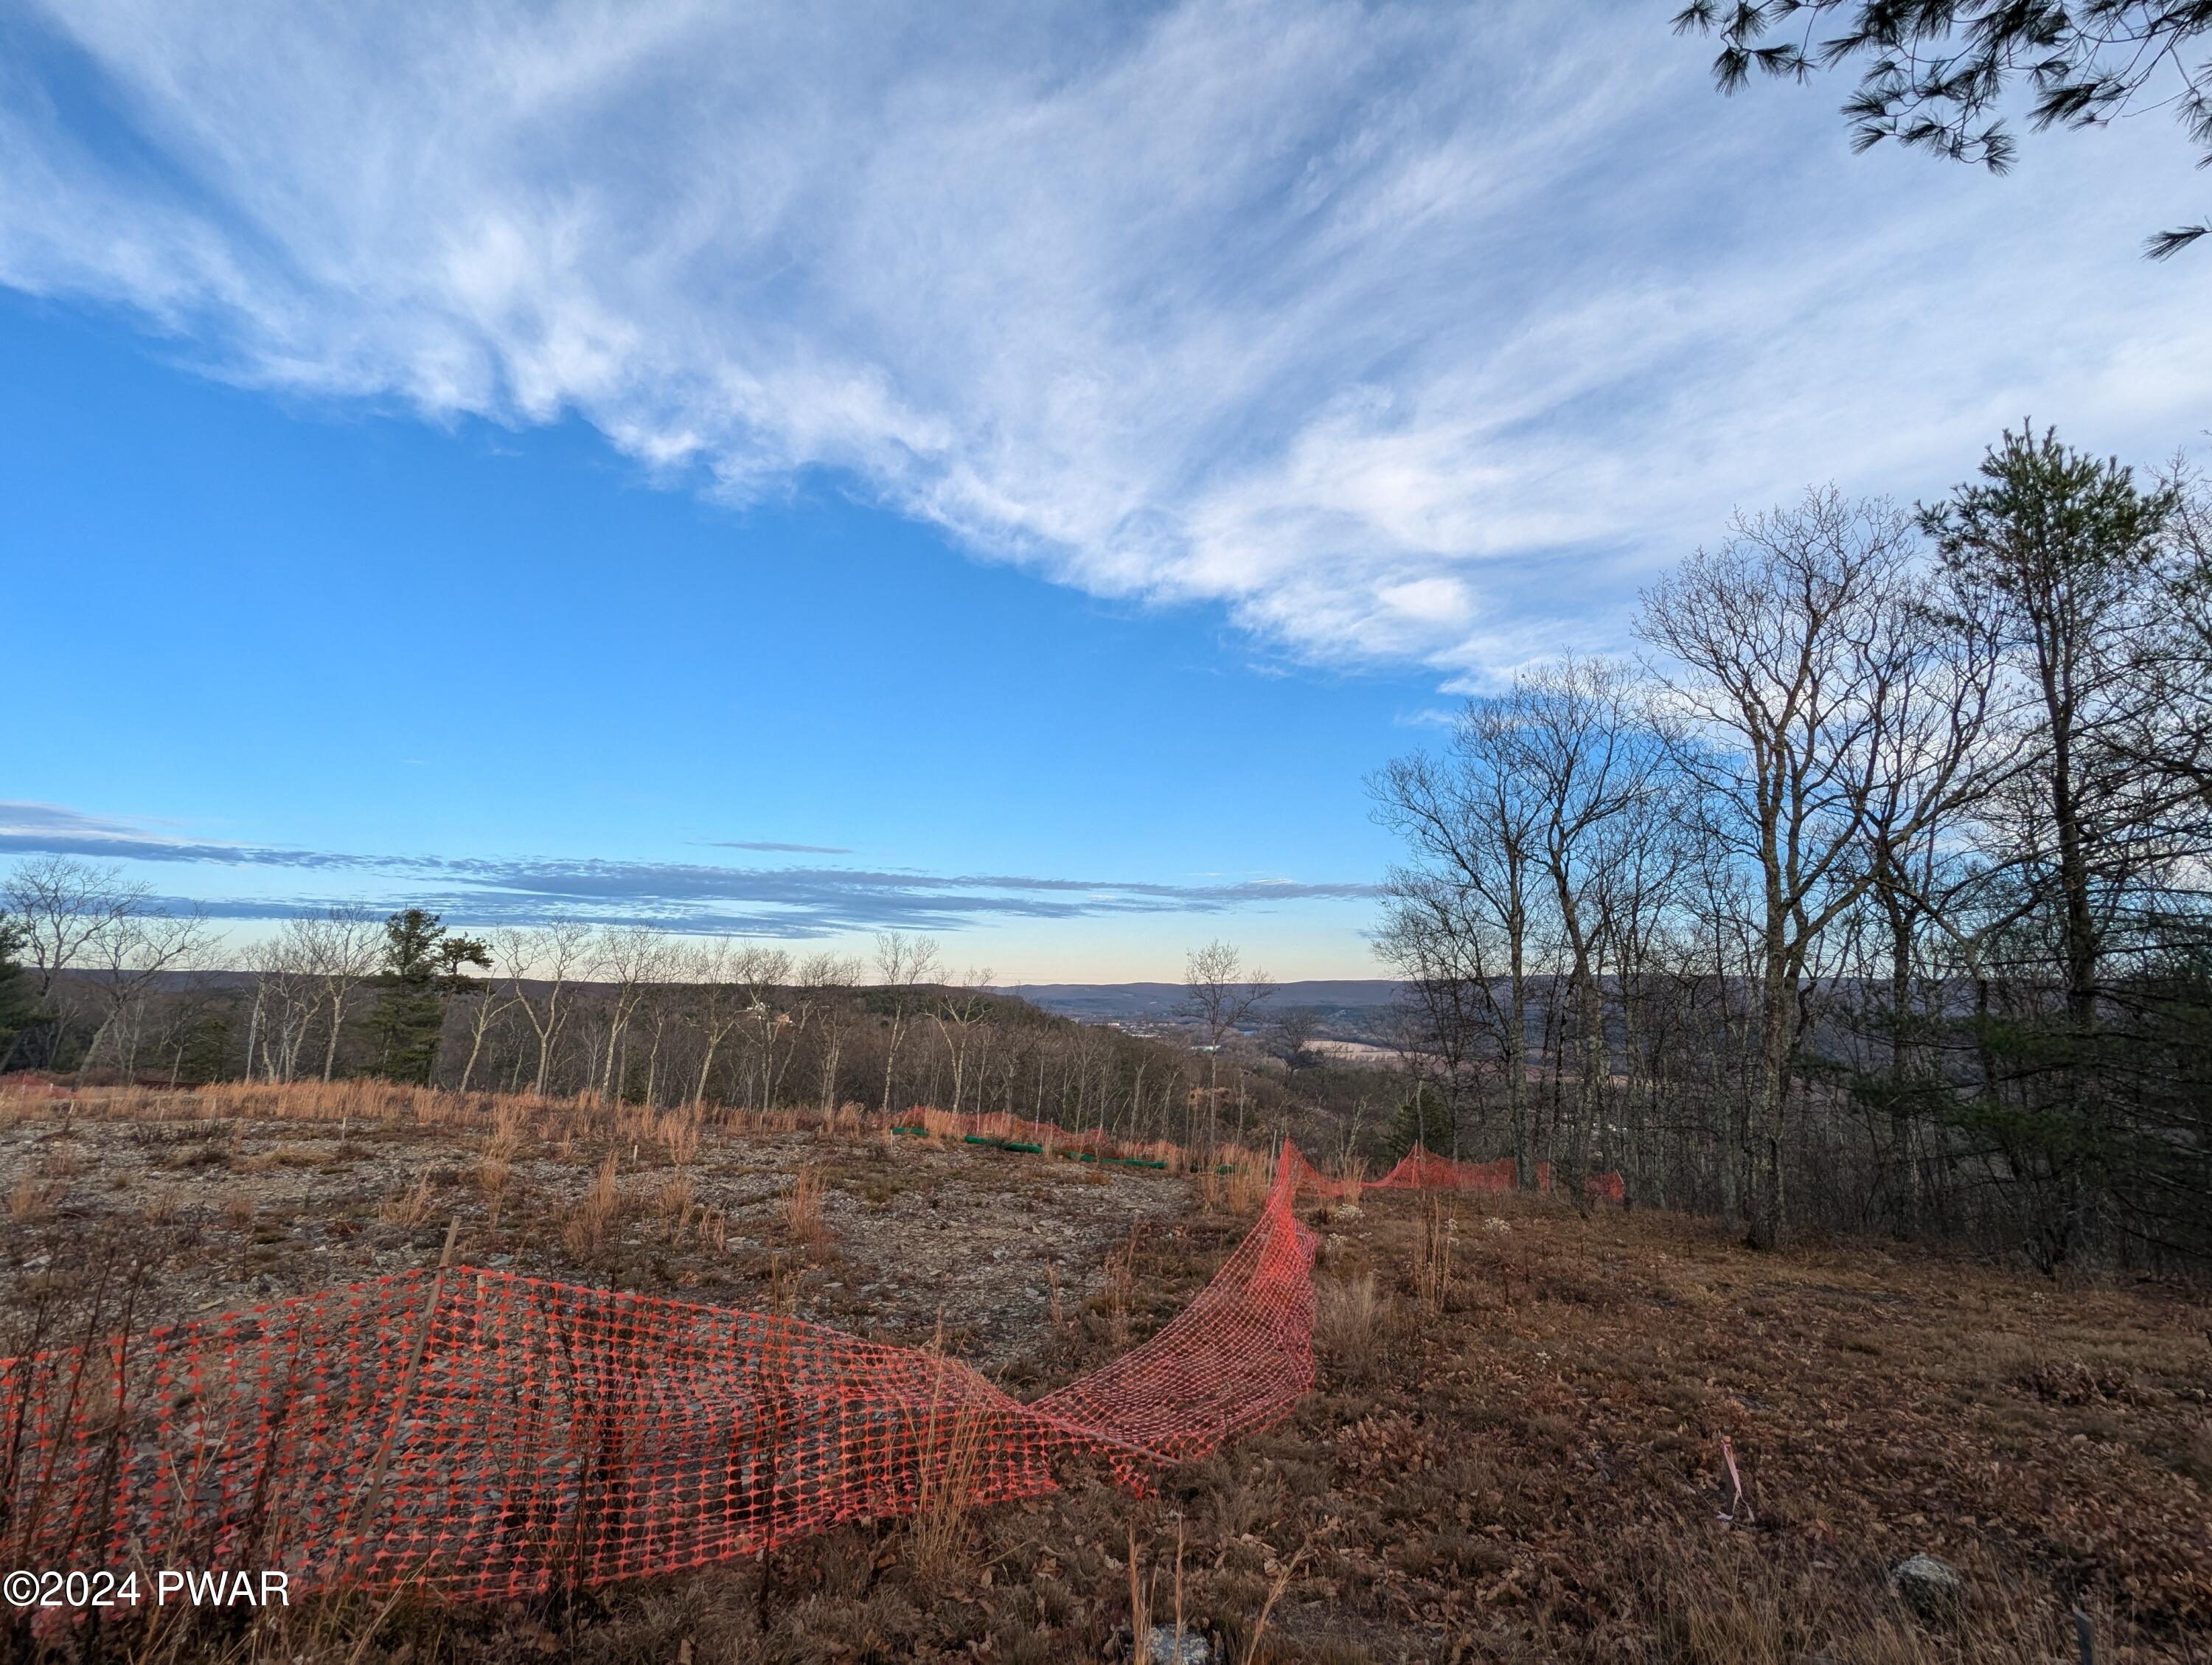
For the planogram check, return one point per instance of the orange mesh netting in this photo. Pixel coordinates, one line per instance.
(484, 1435)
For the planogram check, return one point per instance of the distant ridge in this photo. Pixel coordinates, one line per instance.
(1098, 1002)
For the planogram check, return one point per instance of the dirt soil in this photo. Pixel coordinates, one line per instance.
(914, 1232)
(1517, 1450)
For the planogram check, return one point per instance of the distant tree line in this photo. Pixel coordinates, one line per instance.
(98, 983)
(1874, 897)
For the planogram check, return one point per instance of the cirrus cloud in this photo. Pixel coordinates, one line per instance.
(1398, 332)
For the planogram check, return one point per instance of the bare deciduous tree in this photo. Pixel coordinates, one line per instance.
(902, 962)
(1788, 650)
(541, 968)
(125, 963)
(1461, 918)
(1220, 994)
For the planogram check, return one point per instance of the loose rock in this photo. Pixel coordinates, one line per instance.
(1193, 1650)
(1929, 1586)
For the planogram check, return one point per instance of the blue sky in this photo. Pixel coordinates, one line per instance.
(531, 459)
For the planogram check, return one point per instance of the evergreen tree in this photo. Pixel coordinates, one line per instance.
(17, 1004)
(424, 968)
(1425, 1119)
(2062, 554)
(1939, 75)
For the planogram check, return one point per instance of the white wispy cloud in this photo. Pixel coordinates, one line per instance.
(1414, 332)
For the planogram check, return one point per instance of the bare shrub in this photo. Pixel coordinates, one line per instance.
(238, 1211)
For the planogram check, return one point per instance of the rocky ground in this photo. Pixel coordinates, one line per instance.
(219, 1215)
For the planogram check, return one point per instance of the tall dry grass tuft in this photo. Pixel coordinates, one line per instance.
(713, 1229)
(677, 1133)
(1120, 1288)
(1351, 1177)
(1721, 1601)
(803, 1206)
(496, 1165)
(1347, 1313)
(1433, 1251)
(1209, 1190)
(1249, 1182)
(675, 1201)
(949, 1449)
(589, 1222)
(1140, 1605)
(407, 1208)
(492, 1175)
(31, 1200)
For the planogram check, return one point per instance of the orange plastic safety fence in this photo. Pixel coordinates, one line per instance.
(483, 1435)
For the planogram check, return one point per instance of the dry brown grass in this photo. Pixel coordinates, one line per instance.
(409, 1207)
(1506, 1484)
(61, 1161)
(1713, 1598)
(1249, 1182)
(238, 1211)
(950, 1447)
(1433, 1252)
(677, 1134)
(1115, 1293)
(713, 1230)
(675, 1199)
(1207, 1185)
(803, 1206)
(496, 1165)
(1350, 1175)
(1348, 1316)
(32, 1200)
(585, 1227)
(492, 1175)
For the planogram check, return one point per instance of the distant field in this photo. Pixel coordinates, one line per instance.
(1352, 998)
(1514, 1451)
